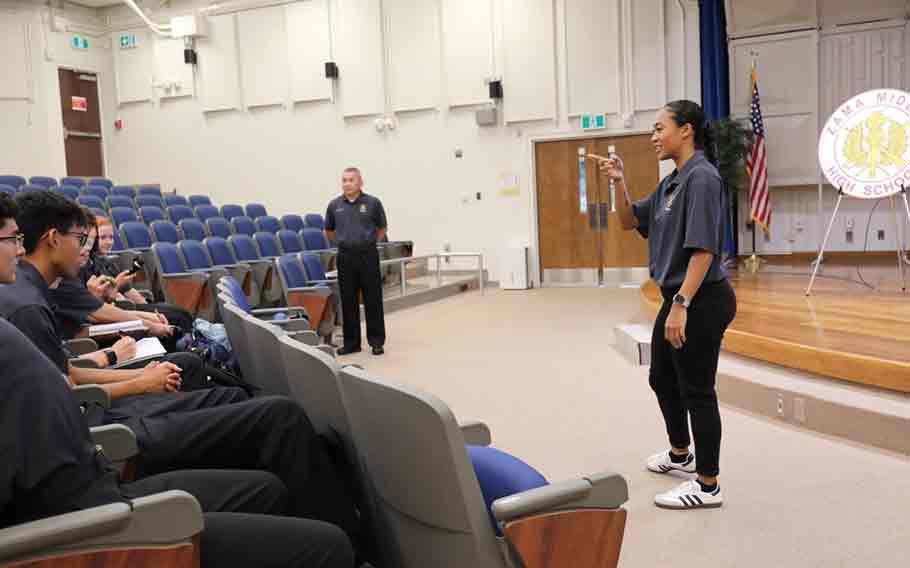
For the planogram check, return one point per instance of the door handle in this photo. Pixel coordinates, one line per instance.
(593, 216)
(80, 134)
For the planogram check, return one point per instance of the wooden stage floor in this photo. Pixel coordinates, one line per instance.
(845, 330)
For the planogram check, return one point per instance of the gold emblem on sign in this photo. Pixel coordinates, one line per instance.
(875, 143)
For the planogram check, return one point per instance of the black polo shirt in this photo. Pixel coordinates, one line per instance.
(26, 305)
(355, 222)
(686, 213)
(48, 462)
(73, 303)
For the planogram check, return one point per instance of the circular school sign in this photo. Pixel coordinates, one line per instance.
(863, 148)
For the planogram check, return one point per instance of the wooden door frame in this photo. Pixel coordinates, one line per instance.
(534, 269)
(59, 112)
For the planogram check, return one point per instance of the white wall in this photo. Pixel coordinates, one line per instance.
(290, 156)
(32, 140)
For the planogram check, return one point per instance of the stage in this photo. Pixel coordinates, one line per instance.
(848, 330)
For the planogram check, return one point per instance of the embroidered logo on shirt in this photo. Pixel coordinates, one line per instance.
(363, 207)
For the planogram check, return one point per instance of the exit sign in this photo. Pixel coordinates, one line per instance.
(79, 42)
(128, 41)
(593, 121)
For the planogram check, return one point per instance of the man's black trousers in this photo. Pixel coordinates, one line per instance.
(358, 271)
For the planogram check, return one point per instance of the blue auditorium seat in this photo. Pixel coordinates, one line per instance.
(151, 214)
(189, 290)
(197, 200)
(195, 255)
(44, 181)
(124, 191)
(292, 223)
(230, 211)
(204, 212)
(119, 201)
(98, 191)
(68, 191)
(500, 475)
(288, 241)
(103, 182)
(30, 187)
(177, 212)
(268, 224)
(77, 181)
(192, 229)
(8, 189)
(255, 210)
(135, 235)
(149, 190)
(218, 226)
(244, 225)
(148, 201)
(268, 244)
(314, 220)
(220, 251)
(121, 215)
(171, 199)
(164, 232)
(314, 239)
(91, 201)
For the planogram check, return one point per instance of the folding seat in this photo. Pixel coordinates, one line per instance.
(298, 291)
(288, 241)
(291, 319)
(192, 229)
(204, 212)
(177, 212)
(30, 187)
(218, 227)
(119, 201)
(267, 244)
(243, 225)
(255, 210)
(135, 235)
(314, 239)
(150, 190)
(265, 281)
(148, 201)
(77, 181)
(151, 214)
(230, 211)
(8, 189)
(315, 273)
(14, 181)
(103, 182)
(44, 181)
(197, 200)
(268, 224)
(174, 199)
(222, 255)
(120, 215)
(292, 223)
(314, 220)
(164, 232)
(189, 290)
(196, 256)
(91, 201)
(124, 191)
(98, 191)
(68, 191)
(442, 510)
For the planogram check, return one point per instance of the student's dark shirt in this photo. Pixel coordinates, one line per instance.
(25, 304)
(355, 222)
(74, 303)
(48, 463)
(686, 213)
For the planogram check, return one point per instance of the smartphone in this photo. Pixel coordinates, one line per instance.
(138, 265)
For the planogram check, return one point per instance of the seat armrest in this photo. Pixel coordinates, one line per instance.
(307, 337)
(159, 519)
(318, 290)
(292, 325)
(87, 394)
(63, 530)
(328, 281)
(600, 491)
(271, 311)
(82, 345)
(476, 433)
(327, 349)
(117, 441)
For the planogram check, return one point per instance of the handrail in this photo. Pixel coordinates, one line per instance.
(438, 257)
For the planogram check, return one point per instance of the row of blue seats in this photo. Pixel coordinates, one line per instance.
(259, 244)
(48, 182)
(192, 227)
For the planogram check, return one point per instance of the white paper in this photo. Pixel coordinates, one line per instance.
(112, 328)
(146, 348)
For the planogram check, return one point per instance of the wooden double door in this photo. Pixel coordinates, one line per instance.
(581, 240)
(80, 105)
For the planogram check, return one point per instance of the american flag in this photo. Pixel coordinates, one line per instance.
(757, 164)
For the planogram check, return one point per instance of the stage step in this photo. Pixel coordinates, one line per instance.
(633, 340)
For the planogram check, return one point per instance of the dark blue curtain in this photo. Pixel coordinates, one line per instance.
(715, 82)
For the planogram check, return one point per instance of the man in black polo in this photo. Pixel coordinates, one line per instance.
(356, 222)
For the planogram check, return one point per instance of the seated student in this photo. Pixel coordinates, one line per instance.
(50, 466)
(212, 428)
(100, 266)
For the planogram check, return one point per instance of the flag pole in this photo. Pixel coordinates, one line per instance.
(754, 262)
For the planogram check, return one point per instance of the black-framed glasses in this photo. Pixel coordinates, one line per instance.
(83, 237)
(18, 239)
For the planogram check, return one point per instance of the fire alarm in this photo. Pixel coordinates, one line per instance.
(118, 124)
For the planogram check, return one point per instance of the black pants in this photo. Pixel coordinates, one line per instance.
(242, 528)
(358, 271)
(223, 428)
(684, 379)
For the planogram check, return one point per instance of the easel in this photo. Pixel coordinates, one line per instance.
(897, 232)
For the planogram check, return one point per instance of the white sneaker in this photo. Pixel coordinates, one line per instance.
(661, 463)
(689, 495)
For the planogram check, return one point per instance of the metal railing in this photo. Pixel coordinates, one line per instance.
(438, 257)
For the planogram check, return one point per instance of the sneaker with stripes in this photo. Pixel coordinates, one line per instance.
(689, 495)
(661, 463)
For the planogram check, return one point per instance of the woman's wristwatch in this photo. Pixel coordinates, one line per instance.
(111, 357)
(681, 300)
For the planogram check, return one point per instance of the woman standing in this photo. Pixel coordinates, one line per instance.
(684, 221)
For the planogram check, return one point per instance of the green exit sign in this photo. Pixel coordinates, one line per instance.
(79, 42)
(593, 121)
(128, 41)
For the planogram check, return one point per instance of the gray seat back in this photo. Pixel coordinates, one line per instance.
(414, 453)
(265, 355)
(240, 343)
